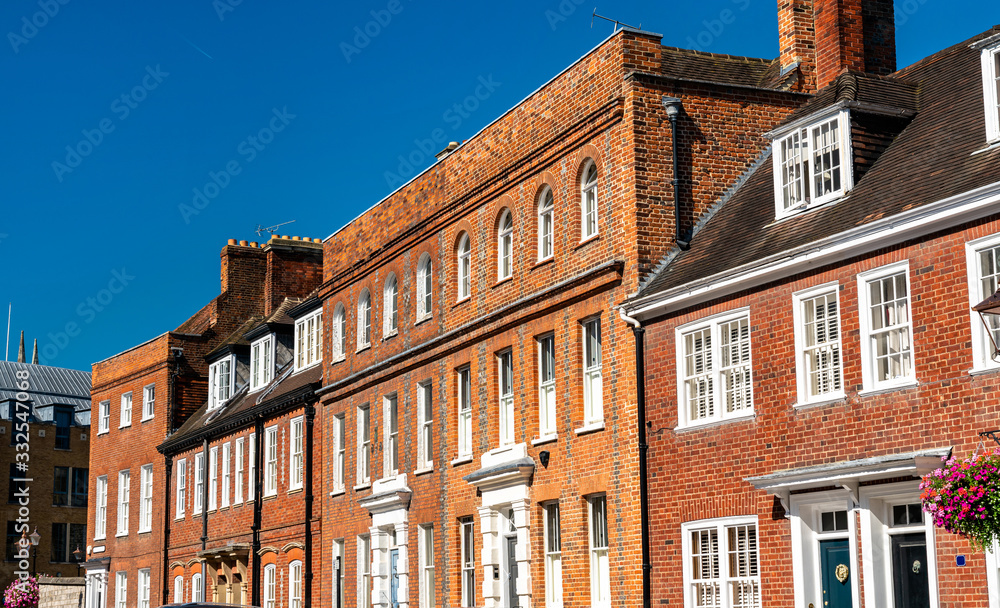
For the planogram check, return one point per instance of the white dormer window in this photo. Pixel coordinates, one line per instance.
(261, 362)
(220, 382)
(812, 164)
(991, 91)
(308, 346)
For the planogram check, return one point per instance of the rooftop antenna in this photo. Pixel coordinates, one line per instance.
(270, 229)
(615, 21)
(6, 350)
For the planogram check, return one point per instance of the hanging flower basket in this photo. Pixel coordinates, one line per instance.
(963, 497)
(21, 594)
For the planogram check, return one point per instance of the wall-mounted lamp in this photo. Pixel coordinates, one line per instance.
(543, 456)
(990, 306)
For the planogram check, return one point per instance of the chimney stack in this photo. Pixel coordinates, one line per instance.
(824, 37)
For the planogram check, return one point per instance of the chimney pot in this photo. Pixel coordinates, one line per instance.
(243, 243)
(254, 244)
(295, 238)
(232, 241)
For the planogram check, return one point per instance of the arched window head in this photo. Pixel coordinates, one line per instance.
(464, 267)
(364, 319)
(545, 207)
(390, 307)
(588, 201)
(425, 284)
(339, 331)
(505, 246)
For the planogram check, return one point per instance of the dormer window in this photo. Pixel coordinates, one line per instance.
(261, 362)
(220, 382)
(991, 91)
(308, 330)
(812, 164)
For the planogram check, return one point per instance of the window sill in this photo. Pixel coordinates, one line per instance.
(697, 426)
(462, 460)
(181, 518)
(339, 359)
(362, 486)
(423, 319)
(295, 491)
(125, 426)
(299, 370)
(363, 348)
(590, 428)
(832, 400)
(545, 439)
(980, 371)
(990, 146)
(888, 389)
(587, 241)
(105, 432)
(461, 301)
(101, 539)
(392, 334)
(502, 281)
(121, 535)
(424, 470)
(146, 531)
(146, 419)
(549, 260)
(270, 496)
(339, 492)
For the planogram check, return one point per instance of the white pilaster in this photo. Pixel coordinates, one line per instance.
(490, 556)
(403, 564)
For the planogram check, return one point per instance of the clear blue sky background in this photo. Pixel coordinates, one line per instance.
(63, 234)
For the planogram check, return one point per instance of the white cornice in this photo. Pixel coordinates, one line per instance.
(898, 228)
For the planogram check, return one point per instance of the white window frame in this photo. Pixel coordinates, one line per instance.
(261, 362)
(712, 324)
(547, 409)
(720, 526)
(589, 201)
(364, 320)
(425, 551)
(364, 415)
(104, 417)
(593, 380)
(178, 589)
(340, 550)
(226, 475)
(982, 355)
(552, 552)
(251, 466)
(546, 225)
(338, 333)
(197, 588)
(339, 453)
(146, 498)
(295, 584)
(869, 381)
(804, 133)
(199, 483)
(505, 395)
(125, 416)
(309, 340)
(467, 586)
(124, 481)
(390, 307)
(213, 478)
(271, 461)
(425, 425)
(270, 586)
(238, 472)
(390, 450)
(101, 512)
(802, 360)
(505, 246)
(143, 588)
(296, 454)
(991, 97)
(121, 589)
(364, 571)
(464, 267)
(600, 570)
(463, 384)
(425, 288)
(181, 488)
(148, 402)
(220, 392)
(806, 511)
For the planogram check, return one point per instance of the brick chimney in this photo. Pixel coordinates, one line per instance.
(826, 36)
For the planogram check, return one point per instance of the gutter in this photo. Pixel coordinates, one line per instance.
(258, 455)
(640, 395)
(204, 504)
(169, 468)
(310, 419)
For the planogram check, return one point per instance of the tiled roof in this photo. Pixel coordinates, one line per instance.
(47, 385)
(931, 159)
(199, 321)
(236, 337)
(688, 64)
(885, 91)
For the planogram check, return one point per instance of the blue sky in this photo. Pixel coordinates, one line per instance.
(118, 113)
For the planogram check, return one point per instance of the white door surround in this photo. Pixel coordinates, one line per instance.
(389, 505)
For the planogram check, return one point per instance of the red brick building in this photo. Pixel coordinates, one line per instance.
(189, 387)
(478, 409)
(813, 352)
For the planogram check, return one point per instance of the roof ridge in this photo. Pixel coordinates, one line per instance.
(747, 58)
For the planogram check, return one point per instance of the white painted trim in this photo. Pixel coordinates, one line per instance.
(843, 119)
(990, 93)
(869, 381)
(806, 534)
(981, 361)
(801, 378)
(880, 234)
(267, 373)
(993, 576)
(719, 523)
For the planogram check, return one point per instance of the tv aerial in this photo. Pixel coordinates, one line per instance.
(615, 21)
(270, 229)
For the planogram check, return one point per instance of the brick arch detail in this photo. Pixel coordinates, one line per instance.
(583, 156)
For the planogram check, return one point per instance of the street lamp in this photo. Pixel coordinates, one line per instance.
(35, 538)
(990, 306)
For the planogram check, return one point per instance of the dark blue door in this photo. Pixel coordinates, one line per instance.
(835, 565)
(911, 584)
(394, 578)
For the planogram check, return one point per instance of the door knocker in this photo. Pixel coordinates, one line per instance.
(842, 572)
(916, 566)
